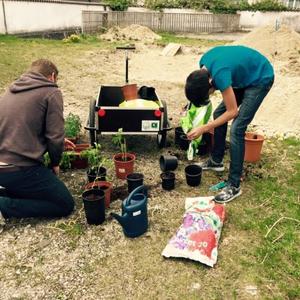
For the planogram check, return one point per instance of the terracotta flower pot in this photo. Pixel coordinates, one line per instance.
(124, 164)
(78, 147)
(253, 146)
(130, 91)
(79, 162)
(105, 186)
(71, 139)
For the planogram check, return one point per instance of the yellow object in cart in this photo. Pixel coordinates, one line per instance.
(139, 103)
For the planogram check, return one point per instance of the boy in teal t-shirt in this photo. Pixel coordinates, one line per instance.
(244, 77)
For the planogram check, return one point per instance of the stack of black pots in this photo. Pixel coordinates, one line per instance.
(168, 163)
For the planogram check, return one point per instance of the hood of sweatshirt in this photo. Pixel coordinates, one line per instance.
(30, 81)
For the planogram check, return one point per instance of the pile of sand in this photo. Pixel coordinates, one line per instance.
(133, 32)
(282, 44)
(278, 45)
(279, 112)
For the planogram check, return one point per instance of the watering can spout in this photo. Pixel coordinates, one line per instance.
(123, 220)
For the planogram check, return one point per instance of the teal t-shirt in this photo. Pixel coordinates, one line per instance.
(237, 66)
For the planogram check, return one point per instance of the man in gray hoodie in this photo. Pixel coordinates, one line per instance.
(31, 124)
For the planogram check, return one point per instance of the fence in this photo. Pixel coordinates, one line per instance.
(292, 4)
(92, 21)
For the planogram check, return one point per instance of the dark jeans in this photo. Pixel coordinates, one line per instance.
(248, 100)
(34, 192)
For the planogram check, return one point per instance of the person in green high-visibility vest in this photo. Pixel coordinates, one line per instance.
(195, 117)
(244, 77)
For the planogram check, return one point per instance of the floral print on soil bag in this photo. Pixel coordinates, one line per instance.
(197, 238)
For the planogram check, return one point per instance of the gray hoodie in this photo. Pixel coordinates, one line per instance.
(31, 121)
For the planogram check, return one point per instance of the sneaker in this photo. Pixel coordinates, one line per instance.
(211, 165)
(228, 193)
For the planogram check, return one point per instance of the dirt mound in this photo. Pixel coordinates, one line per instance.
(282, 44)
(133, 32)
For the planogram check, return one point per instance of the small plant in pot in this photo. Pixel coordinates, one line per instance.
(77, 159)
(65, 161)
(96, 170)
(105, 186)
(72, 127)
(124, 161)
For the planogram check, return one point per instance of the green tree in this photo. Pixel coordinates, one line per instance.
(119, 5)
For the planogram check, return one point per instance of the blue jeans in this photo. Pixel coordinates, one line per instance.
(34, 192)
(248, 101)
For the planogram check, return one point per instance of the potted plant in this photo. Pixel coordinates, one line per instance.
(124, 161)
(105, 186)
(72, 127)
(96, 170)
(78, 161)
(65, 161)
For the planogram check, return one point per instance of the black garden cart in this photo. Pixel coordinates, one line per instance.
(107, 116)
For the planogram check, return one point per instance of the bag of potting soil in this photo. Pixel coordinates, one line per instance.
(195, 117)
(198, 236)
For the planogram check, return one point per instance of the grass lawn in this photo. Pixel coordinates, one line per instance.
(259, 251)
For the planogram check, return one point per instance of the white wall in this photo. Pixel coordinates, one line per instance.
(24, 17)
(251, 19)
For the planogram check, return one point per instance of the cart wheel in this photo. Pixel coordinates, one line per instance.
(92, 133)
(162, 136)
(165, 117)
(161, 139)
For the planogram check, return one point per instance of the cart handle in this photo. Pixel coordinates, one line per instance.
(125, 48)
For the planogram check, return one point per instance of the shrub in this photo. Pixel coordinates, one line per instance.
(119, 5)
(217, 6)
(267, 5)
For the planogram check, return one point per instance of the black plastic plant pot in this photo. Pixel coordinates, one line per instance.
(168, 180)
(193, 175)
(100, 175)
(184, 142)
(168, 163)
(134, 180)
(178, 133)
(94, 206)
